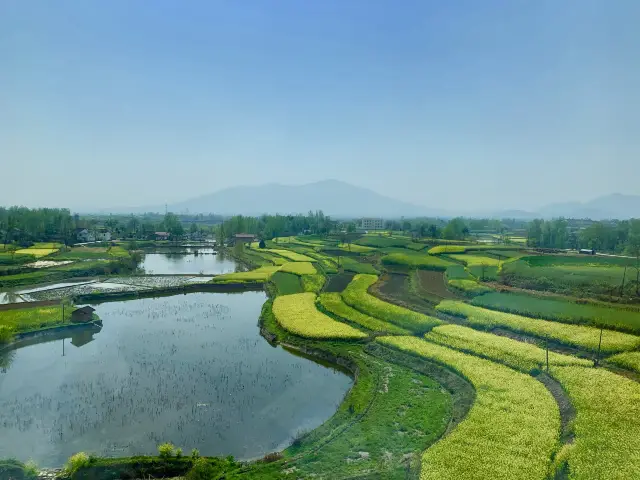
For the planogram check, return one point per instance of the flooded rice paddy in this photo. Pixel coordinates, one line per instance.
(188, 260)
(187, 369)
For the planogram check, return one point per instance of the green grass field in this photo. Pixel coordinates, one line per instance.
(562, 310)
(286, 283)
(571, 278)
(579, 336)
(473, 260)
(352, 265)
(416, 260)
(27, 319)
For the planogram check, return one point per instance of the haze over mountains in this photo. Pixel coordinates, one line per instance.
(340, 199)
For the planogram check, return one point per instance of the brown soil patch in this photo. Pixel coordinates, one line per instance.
(432, 283)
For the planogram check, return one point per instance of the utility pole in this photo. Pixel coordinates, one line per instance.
(599, 346)
(547, 345)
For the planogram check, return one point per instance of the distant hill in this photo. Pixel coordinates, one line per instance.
(341, 199)
(333, 197)
(615, 205)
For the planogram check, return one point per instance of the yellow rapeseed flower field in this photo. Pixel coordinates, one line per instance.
(298, 314)
(511, 431)
(519, 355)
(332, 302)
(356, 296)
(261, 274)
(607, 424)
(299, 268)
(291, 255)
(576, 335)
(630, 360)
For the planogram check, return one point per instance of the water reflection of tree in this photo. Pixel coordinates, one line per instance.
(12, 296)
(6, 359)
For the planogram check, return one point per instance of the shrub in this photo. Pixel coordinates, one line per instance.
(201, 470)
(31, 470)
(6, 334)
(76, 462)
(166, 450)
(195, 453)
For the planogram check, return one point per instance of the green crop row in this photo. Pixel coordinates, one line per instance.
(630, 360)
(313, 283)
(574, 335)
(511, 431)
(357, 296)
(298, 314)
(607, 424)
(416, 260)
(469, 287)
(299, 268)
(333, 303)
(519, 355)
(289, 254)
(261, 274)
(562, 310)
(353, 265)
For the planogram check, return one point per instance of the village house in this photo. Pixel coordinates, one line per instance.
(83, 235)
(82, 315)
(244, 237)
(162, 235)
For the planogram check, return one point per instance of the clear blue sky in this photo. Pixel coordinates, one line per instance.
(450, 104)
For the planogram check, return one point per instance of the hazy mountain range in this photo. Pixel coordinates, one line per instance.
(340, 199)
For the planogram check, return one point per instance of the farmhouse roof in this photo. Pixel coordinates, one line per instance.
(86, 309)
(245, 235)
(162, 233)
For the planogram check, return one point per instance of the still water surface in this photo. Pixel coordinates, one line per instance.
(189, 369)
(185, 260)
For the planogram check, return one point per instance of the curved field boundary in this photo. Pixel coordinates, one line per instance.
(630, 360)
(298, 314)
(574, 335)
(607, 424)
(563, 309)
(511, 432)
(519, 355)
(333, 303)
(357, 296)
(289, 254)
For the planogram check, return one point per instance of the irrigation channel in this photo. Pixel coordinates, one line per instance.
(184, 260)
(188, 369)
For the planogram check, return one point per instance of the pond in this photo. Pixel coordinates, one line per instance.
(188, 369)
(188, 260)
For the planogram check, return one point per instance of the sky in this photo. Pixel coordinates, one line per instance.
(457, 105)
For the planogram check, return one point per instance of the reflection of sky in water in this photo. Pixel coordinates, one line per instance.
(207, 263)
(189, 369)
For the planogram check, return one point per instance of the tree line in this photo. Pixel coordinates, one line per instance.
(621, 237)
